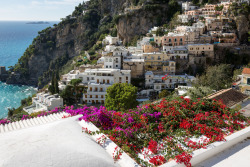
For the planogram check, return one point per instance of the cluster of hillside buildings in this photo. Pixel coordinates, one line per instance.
(154, 56)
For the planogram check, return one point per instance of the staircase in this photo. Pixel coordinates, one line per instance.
(22, 124)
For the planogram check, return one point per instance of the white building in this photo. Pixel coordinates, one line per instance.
(98, 80)
(44, 102)
(179, 53)
(156, 83)
(113, 60)
(188, 6)
(109, 40)
(184, 18)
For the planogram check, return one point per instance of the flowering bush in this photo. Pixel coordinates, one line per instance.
(4, 121)
(156, 133)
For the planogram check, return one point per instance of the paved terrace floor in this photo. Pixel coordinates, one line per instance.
(55, 144)
(236, 156)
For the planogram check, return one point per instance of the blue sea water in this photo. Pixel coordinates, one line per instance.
(15, 37)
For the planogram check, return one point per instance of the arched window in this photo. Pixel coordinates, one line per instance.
(169, 40)
(175, 39)
(110, 60)
(181, 39)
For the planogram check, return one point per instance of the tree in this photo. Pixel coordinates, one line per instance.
(66, 94)
(216, 77)
(75, 83)
(121, 96)
(199, 92)
(164, 93)
(160, 31)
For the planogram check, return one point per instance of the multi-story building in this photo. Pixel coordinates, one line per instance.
(179, 53)
(245, 81)
(188, 6)
(184, 18)
(201, 50)
(213, 24)
(98, 80)
(218, 36)
(44, 102)
(194, 13)
(156, 83)
(173, 39)
(149, 48)
(109, 40)
(136, 65)
(159, 63)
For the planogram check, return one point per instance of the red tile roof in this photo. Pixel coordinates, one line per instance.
(246, 71)
(229, 97)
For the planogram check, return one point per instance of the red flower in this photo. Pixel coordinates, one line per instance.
(157, 160)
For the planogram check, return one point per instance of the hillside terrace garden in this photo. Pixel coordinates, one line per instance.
(157, 133)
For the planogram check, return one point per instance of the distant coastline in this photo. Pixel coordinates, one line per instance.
(38, 22)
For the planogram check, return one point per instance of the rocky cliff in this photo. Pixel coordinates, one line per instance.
(55, 46)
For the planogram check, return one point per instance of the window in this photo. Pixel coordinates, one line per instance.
(101, 89)
(87, 78)
(110, 60)
(86, 96)
(90, 96)
(126, 78)
(175, 40)
(96, 96)
(110, 66)
(116, 65)
(169, 40)
(90, 89)
(107, 66)
(102, 96)
(181, 39)
(96, 89)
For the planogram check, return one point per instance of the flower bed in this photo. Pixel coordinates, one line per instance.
(157, 133)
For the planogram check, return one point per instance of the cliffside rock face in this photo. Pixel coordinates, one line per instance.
(55, 46)
(138, 22)
(243, 26)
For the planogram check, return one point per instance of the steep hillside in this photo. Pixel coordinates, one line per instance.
(56, 45)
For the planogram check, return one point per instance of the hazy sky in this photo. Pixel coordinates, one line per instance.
(44, 10)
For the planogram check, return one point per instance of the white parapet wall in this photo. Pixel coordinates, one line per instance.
(109, 146)
(214, 148)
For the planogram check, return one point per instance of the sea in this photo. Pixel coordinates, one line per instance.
(15, 37)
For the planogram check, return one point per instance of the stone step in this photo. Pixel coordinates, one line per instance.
(39, 120)
(6, 129)
(10, 127)
(36, 121)
(21, 124)
(51, 117)
(14, 126)
(29, 123)
(55, 116)
(32, 122)
(25, 123)
(58, 116)
(18, 126)
(1, 129)
(46, 119)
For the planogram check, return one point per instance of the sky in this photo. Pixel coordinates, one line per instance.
(36, 10)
